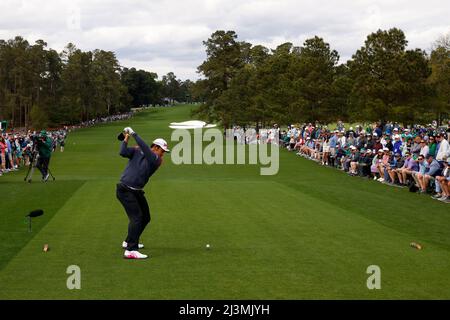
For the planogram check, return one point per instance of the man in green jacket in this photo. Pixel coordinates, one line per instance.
(45, 152)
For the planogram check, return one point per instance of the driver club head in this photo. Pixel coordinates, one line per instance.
(121, 136)
(35, 213)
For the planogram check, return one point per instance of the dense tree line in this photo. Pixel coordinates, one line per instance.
(248, 84)
(40, 87)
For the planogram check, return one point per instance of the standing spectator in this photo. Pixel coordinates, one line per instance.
(2, 154)
(18, 151)
(326, 150)
(442, 148)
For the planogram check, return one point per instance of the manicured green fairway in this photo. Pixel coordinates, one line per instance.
(307, 233)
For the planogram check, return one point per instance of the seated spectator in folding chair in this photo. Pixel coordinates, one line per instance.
(341, 139)
(315, 150)
(376, 160)
(443, 180)
(298, 143)
(397, 145)
(432, 169)
(377, 144)
(418, 175)
(386, 167)
(432, 146)
(340, 154)
(361, 141)
(424, 149)
(415, 147)
(291, 143)
(369, 143)
(383, 164)
(389, 144)
(409, 166)
(353, 161)
(395, 166)
(364, 162)
(344, 160)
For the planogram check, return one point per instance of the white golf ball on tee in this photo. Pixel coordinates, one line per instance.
(208, 246)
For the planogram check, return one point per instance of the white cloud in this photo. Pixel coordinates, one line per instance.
(167, 35)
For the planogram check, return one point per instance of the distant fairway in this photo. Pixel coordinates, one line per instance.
(309, 232)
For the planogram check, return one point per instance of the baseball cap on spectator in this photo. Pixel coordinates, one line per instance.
(385, 149)
(396, 136)
(375, 134)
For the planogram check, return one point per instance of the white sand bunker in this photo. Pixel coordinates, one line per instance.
(191, 124)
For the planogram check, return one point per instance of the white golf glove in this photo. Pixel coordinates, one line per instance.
(128, 130)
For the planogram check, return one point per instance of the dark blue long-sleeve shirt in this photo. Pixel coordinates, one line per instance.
(141, 166)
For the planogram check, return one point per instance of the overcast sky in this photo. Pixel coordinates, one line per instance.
(166, 35)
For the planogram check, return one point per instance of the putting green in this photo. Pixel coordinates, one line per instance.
(308, 232)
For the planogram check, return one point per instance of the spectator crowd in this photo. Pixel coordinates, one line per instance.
(16, 147)
(416, 157)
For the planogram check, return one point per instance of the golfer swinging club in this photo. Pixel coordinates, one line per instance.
(144, 161)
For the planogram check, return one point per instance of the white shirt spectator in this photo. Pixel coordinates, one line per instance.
(424, 151)
(444, 150)
(342, 140)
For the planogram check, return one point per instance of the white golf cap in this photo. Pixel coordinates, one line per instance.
(397, 136)
(385, 149)
(162, 143)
